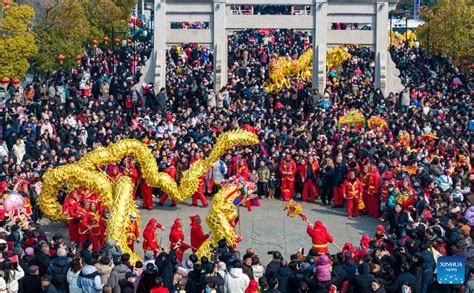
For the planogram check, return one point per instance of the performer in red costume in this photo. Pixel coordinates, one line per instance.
(243, 169)
(370, 184)
(171, 170)
(147, 195)
(89, 225)
(197, 234)
(150, 242)
(176, 235)
(132, 231)
(199, 194)
(309, 176)
(352, 191)
(131, 171)
(319, 236)
(288, 170)
(69, 208)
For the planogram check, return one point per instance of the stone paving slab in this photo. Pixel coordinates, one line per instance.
(265, 228)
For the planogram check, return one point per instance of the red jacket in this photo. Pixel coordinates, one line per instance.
(371, 183)
(319, 236)
(288, 171)
(149, 235)
(352, 190)
(197, 234)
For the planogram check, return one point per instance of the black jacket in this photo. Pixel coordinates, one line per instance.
(57, 269)
(248, 271)
(32, 283)
(126, 286)
(340, 173)
(398, 282)
(363, 281)
(283, 274)
(166, 267)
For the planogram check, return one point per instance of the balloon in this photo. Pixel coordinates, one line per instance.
(13, 201)
(237, 201)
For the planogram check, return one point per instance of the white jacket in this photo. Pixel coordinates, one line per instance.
(12, 286)
(236, 281)
(72, 281)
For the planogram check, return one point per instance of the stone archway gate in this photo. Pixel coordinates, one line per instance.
(318, 18)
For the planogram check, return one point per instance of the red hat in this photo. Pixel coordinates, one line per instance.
(388, 175)
(380, 228)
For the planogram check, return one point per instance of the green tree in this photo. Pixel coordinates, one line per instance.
(62, 31)
(449, 27)
(102, 16)
(17, 42)
(125, 7)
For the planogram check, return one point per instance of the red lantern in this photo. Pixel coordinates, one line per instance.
(78, 59)
(95, 42)
(106, 39)
(5, 81)
(117, 41)
(129, 41)
(61, 59)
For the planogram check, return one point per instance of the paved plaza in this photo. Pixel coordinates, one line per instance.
(265, 228)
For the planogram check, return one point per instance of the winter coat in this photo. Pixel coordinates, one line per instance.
(89, 280)
(283, 274)
(248, 271)
(323, 269)
(32, 283)
(166, 267)
(126, 286)
(117, 273)
(104, 272)
(71, 278)
(236, 281)
(396, 285)
(469, 216)
(363, 281)
(17, 274)
(258, 271)
(272, 268)
(50, 289)
(57, 269)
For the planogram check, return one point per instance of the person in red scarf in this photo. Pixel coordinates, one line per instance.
(171, 170)
(177, 236)
(309, 179)
(352, 191)
(197, 234)
(319, 236)
(132, 231)
(370, 184)
(288, 171)
(150, 242)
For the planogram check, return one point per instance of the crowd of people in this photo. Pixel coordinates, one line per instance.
(414, 175)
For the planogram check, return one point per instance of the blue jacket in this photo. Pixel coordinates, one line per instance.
(89, 280)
